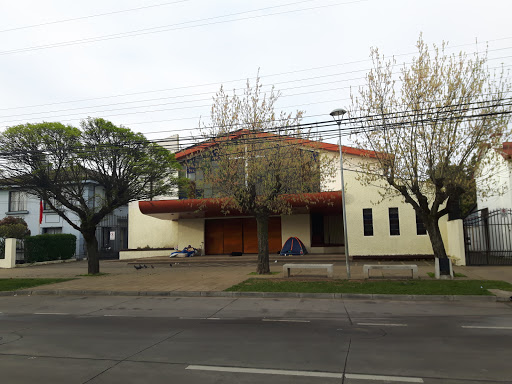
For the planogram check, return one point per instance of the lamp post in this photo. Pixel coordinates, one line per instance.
(337, 115)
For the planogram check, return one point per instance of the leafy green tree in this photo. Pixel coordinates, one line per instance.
(13, 227)
(431, 126)
(56, 162)
(256, 160)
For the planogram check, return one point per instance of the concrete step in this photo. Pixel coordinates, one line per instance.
(244, 259)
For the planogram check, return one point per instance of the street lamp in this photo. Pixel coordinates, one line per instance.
(337, 115)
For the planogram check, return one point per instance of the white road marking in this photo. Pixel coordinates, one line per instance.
(265, 371)
(304, 373)
(287, 320)
(50, 313)
(384, 324)
(213, 318)
(384, 378)
(119, 316)
(482, 327)
(193, 318)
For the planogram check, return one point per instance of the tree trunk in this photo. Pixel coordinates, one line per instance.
(435, 238)
(93, 259)
(263, 260)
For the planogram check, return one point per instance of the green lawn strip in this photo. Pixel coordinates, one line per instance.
(409, 287)
(14, 284)
(455, 274)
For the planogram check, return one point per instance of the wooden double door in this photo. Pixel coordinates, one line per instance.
(223, 236)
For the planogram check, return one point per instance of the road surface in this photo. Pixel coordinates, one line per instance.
(80, 339)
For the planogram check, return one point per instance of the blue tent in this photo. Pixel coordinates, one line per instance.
(293, 246)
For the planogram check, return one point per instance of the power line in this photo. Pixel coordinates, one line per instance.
(198, 94)
(371, 124)
(178, 26)
(217, 84)
(91, 16)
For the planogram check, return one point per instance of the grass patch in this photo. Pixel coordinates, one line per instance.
(455, 274)
(94, 274)
(257, 274)
(14, 284)
(400, 287)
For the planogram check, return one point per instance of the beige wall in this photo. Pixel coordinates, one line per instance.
(144, 230)
(127, 255)
(191, 232)
(9, 260)
(296, 225)
(453, 237)
(359, 196)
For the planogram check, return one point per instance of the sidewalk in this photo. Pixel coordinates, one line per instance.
(125, 278)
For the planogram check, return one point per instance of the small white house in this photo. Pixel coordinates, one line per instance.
(498, 175)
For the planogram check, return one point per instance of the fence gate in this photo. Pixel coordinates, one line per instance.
(112, 235)
(488, 237)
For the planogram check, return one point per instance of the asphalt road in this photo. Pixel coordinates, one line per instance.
(68, 339)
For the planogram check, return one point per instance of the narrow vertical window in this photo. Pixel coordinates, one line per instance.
(394, 223)
(420, 226)
(368, 221)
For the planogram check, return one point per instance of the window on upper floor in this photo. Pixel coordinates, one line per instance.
(55, 203)
(368, 221)
(394, 222)
(17, 201)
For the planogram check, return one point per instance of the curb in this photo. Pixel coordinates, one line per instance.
(282, 295)
(27, 265)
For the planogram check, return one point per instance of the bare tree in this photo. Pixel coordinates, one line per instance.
(431, 126)
(258, 161)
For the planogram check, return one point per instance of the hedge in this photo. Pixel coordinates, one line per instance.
(49, 247)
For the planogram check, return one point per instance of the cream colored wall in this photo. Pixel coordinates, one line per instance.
(453, 237)
(191, 232)
(127, 255)
(296, 225)
(144, 230)
(9, 260)
(359, 196)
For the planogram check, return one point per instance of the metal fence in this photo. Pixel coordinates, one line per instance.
(112, 235)
(488, 237)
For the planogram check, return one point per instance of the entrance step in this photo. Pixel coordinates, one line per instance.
(234, 260)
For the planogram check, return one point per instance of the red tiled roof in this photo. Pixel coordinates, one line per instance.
(309, 143)
(321, 201)
(506, 151)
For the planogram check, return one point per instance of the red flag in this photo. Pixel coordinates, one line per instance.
(40, 211)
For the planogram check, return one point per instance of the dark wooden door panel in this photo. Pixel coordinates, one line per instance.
(233, 235)
(214, 237)
(250, 236)
(274, 235)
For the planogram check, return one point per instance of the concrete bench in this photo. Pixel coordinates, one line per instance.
(412, 267)
(288, 267)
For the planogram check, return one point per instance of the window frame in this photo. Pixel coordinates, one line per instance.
(368, 222)
(20, 203)
(421, 230)
(394, 221)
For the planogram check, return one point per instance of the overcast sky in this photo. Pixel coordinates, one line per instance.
(154, 65)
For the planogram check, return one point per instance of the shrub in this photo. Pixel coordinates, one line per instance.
(13, 227)
(49, 247)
